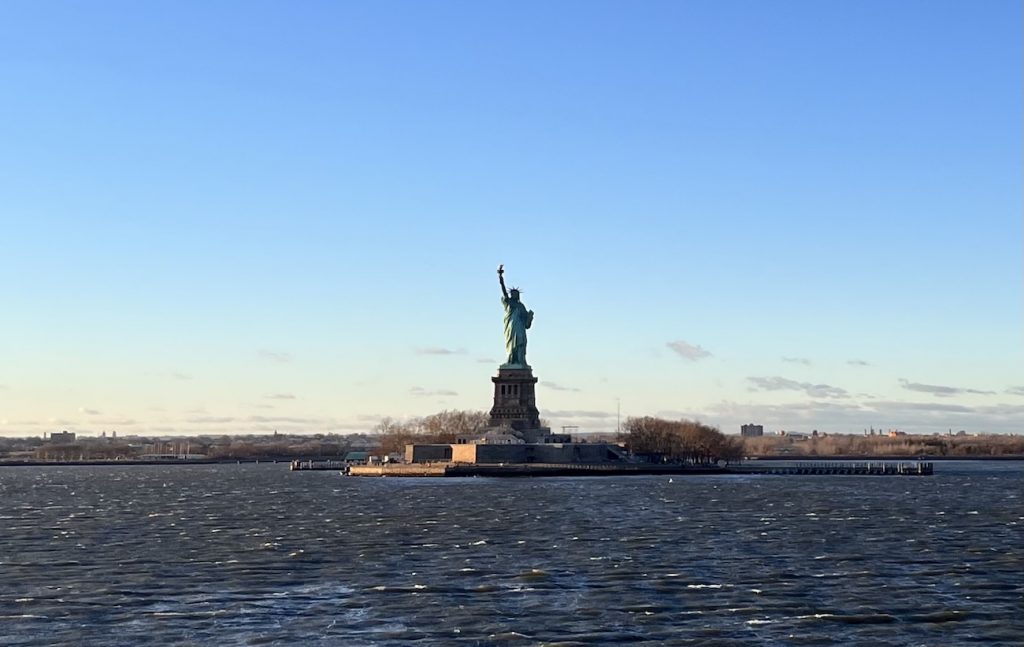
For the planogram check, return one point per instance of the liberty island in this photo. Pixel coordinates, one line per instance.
(517, 443)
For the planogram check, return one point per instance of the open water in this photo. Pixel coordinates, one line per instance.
(258, 555)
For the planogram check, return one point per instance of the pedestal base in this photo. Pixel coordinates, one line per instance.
(515, 399)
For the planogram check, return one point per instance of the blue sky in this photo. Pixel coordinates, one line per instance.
(241, 217)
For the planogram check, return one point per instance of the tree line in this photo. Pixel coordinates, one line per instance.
(885, 445)
(679, 441)
(438, 428)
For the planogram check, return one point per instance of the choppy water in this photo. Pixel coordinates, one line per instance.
(247, 555)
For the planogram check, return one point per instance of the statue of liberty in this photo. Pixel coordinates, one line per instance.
(517, 320)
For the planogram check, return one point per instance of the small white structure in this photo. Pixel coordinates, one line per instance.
(494, 436)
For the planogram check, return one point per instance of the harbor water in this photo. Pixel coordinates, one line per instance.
(260, 555)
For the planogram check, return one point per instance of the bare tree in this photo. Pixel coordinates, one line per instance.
(682, 440)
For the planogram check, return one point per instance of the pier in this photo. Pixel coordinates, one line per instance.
(527, 469)
(626, 469)
(339, 465)
(829, 468)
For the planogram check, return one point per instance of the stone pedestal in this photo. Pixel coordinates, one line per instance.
(515, 400)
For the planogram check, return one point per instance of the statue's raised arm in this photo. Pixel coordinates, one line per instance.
(501, 280)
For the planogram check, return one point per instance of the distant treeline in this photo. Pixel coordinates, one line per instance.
(884, 445)
(242, 447)
(656, 438)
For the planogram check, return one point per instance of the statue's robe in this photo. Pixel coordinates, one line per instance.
(517, 320)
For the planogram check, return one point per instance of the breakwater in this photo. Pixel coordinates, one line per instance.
(118, 463)
(830, 468)
(527, 469)
(637, 469)
(307, 465)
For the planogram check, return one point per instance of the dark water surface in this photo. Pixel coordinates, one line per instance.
(257, 555)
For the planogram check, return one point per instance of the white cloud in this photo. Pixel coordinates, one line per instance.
(210, 420)
(688, 351)
(420, 392)
(278, 357)
(116, 422)
(940, 391)
(797, 360)
(784, 384)
(437, 350)
(558, 387)
(579, 413)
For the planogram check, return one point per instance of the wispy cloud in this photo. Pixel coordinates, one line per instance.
(784, 384)
(940, 391)
(852, 416)
(261, 423)
(677, 414)
(857, 362)
(211, 420)
(279, 396)
(1003, 411)
(688, 351)
(438, 350)
(484, 360)
(558, 387)
(289, 420)
(179, 376)
(886, 405)
(89, 412)
(797, 360)
(420, 392)
(1015, 390)
(278, 357)
(579, 413)
(117, 422)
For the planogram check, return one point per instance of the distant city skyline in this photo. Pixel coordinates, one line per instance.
(250, 217)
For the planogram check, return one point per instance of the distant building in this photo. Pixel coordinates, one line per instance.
(751, 430)
(357, 458)
(62, 438)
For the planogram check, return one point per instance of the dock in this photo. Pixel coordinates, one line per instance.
(830, 468)
(337, 465)
(637, 469)
(527, 469)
